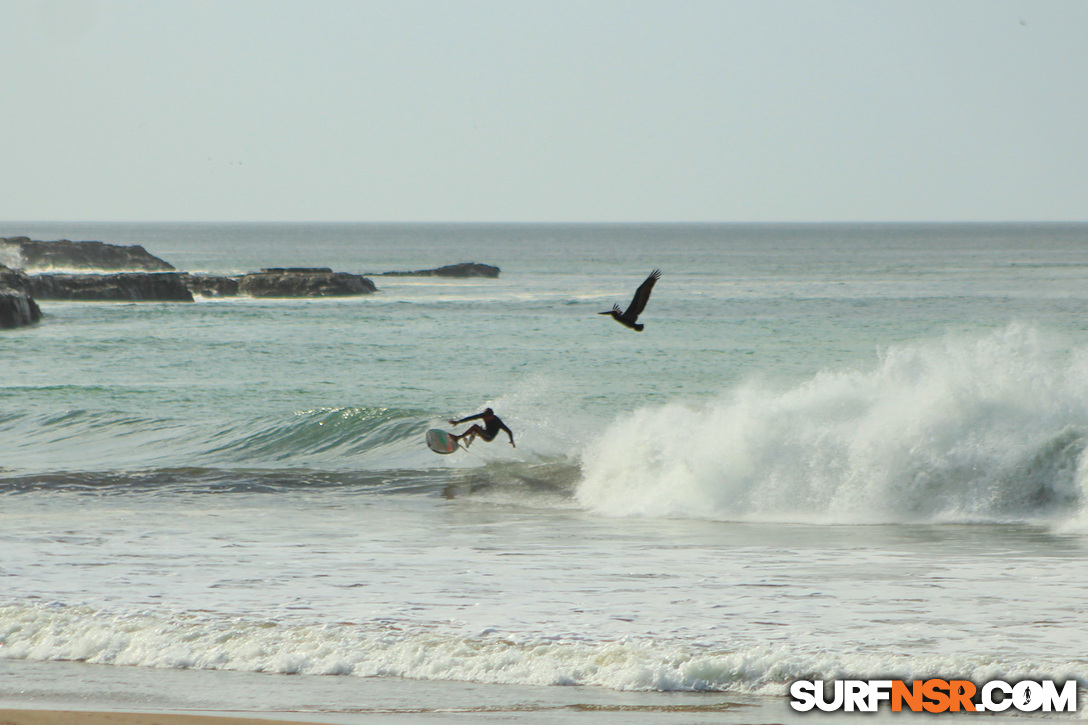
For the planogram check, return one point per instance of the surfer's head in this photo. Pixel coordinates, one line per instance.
(488, 411)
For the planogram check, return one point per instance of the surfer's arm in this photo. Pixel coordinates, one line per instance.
(465, 420)
(509, 433)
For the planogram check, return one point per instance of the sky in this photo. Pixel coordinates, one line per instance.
(555, 111)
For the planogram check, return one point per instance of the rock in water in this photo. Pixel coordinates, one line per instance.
(27, 253)
(207, 285)
(465, 269)
(462, 269)
(14, 279)
(122, 287)
(17, 308)
(303, 282)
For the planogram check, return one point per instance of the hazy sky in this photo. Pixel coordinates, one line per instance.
(543, 111)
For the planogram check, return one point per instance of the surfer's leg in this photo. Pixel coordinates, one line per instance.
(471, 434)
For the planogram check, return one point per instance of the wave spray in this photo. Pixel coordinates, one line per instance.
(954, 430)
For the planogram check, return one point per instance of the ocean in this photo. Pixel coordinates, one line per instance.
(836, 451)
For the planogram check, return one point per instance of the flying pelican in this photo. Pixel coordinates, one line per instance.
(638, 304)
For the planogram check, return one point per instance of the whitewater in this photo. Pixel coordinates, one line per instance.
(835, 451)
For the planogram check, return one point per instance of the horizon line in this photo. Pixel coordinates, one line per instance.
(545, 223)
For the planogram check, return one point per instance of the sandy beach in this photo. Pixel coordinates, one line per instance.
(561, 715)
(75, 693)
(74, 717)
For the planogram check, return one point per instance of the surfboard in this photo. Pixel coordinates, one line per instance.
(440, 441)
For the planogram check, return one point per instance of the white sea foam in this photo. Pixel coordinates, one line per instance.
(10, 256)
(990, 428)
(222, 642)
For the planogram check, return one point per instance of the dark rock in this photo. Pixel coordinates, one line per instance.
(14, 279)
(210, 285)
(315, 282)
(124, 287)
(27, 253)
(463, 269)
(297, 270)
(17, 308)
(281, 282)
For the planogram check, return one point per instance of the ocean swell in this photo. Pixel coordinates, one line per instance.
(953, 430)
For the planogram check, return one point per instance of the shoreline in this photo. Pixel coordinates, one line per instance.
(79, 693)
(111, 717)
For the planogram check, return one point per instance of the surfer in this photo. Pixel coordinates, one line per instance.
(492, 425)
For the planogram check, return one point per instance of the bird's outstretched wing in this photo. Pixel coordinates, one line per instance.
(642, 294)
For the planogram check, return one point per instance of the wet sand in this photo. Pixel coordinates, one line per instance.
(75, 693)
(74, 717)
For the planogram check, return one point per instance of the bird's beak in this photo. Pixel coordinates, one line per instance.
(606, 312)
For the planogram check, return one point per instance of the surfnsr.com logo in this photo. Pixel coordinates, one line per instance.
(933, 696)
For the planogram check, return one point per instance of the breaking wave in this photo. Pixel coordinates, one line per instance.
(954, 430)
(394, 648)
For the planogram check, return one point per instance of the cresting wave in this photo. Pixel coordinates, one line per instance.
(391, 648)
(350, 437)
(352, 449)
(318, 433)
(307, 437)
(954, 430)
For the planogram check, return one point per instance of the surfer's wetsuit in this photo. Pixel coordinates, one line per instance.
(492, 425)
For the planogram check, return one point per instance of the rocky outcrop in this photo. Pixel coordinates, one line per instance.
(303, 282)
(17, 308)
(13, 279)
(463, 269)
(156, 279)
(281, 282)
(207, 285)
(122, 287)
(27, 253)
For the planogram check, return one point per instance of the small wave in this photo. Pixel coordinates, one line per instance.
(957, 430)
(338, 430)
(60, 438)
(393, 648)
